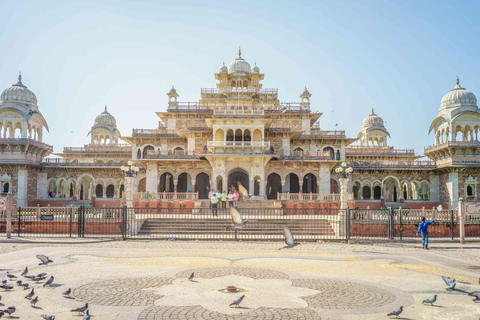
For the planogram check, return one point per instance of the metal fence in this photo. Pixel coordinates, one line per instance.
(206, 223)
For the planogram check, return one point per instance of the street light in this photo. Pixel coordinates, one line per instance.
(344, 172)
(130, 171)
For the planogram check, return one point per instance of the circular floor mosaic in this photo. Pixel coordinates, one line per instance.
(121, 292)
(254, 273)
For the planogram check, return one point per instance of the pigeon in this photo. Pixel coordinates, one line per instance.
(237, 301)
(34, 301)
(36, 279)
(25, 272)
(26, 286)
(31, 277)
(43, 274)
(67, 292)
(4, 281)
(475, 294)
(86, 316)
(0, 298)
(49, 282)
(81, 309)
(10, 310)
(30, 295)
(6, 287)
(191, 276)
(396, 312)
(237, 220)
(18, 282)
(45, 260)
(288, 239)
(11, 276)
(1, 313)
(450, 283)
(48, 317)
(430, 300)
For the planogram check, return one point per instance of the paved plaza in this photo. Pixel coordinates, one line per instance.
(148, 280)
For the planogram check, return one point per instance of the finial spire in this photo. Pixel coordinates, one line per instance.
(105, 107)
(239, 52)
(458, 80)
(373, 111)
(20, 76)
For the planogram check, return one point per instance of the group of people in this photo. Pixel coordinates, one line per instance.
(223, 200)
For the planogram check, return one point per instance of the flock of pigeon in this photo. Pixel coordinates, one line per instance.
(451, 283)
(31, 295)
(238, 223)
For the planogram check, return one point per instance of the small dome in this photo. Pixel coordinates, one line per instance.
(305, 92)
(224, 68)
(255, 69)
(458, 96)
(172, 90)
(373, 121)
(19, 93)
(105, 119)
(239, 65)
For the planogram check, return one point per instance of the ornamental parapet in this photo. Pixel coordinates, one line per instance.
(305, 155)
(240, 113)
(95, 148)
(170, 154)
(162, 132)
(417, 164)
(147, 196)
(25, 141)
(447, 144)
(323, 134)
(361, 150)
(333, 197)
(243, 144)
(54, 162)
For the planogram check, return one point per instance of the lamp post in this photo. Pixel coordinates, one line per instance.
(130, 172)
(343, 172)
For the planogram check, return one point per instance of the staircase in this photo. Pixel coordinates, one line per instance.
(266, 228)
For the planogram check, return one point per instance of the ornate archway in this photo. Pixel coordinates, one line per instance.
(238, 176)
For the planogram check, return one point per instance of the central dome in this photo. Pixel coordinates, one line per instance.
(239, 65)
(19, 93)
(105, 119)
(373, 121)
(458, 96)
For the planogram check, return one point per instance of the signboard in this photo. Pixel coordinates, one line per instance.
(3, 203)
(47, 217)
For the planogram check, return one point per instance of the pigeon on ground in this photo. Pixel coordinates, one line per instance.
(86, 316)
(19, 282)
(237, 220)
(288, 239)
(25, 272)
(10, 310)
(430, 300)
(36, 279)
(45, 260)
(67, 292)
(396, 312)
(49, 282)
(475, 294)
(30, 294)
(48, 317)
(25, 286)
(2, 313)
(191, 276)
(81, 309)
(451, 283)
(6, 287)
(237, 301)
(4, 281)
(43, 274)
(30, 277)
(34, 301)
(11, 276)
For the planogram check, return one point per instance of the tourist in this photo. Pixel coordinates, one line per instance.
(218, 195)
(235, 198)
(224, 198)
(423, 227)
(230, 199)
(214, 202)
(210, 195)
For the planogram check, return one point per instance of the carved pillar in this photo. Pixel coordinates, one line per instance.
(129, 191)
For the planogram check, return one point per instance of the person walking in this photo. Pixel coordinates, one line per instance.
(214, 203)
(210, 195)
(423, 228)
(224, 197)
(230, 199)
(235, 198)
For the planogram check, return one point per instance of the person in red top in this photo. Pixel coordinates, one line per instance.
(235, 198)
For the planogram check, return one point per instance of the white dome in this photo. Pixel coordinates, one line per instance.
(239, 65)
(255, 69)
(224, 68)
(19, 93)
(373, 121)
(458, 96)
(105, 119)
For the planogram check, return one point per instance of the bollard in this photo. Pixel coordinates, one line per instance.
(461, 216)
(9, 222)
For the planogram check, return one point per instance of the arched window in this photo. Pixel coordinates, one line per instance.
(99, 191)
(377, 192)
(238, 135)
(469, 191)
(247, 135)
(230, 135)
(338, 155)
(298, 150)
(331, 151)
(366, 192)
(110, 192)
(139, 154)
(6, 187)
(146, 149)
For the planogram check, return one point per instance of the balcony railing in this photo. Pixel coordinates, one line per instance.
(362, 150)
(170, 154)
(318, 134)
(161, 132)
(305, 155)
(239, 90)
(369, 164)
(452, 144)
(247, 144)
(238, 113)
(76, 163)
(147, 196)
(334, 197)
(26, 141)
(98, 148)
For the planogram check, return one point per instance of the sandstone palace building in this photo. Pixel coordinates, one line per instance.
(239, 131)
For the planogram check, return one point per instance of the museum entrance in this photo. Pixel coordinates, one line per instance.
(236, 176)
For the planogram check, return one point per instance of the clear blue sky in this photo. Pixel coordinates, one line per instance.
(399, 57)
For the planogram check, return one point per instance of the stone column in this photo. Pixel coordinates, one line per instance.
(262, 188)
(193, 186)
(343, 193)
(324, 179)
(22, 190)
(300, 186)
(42, 186)
(151, 179)
(282, 188)
(175, 183)
(251, 186)
(461, 217)
(452, 186)
(129, 191)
